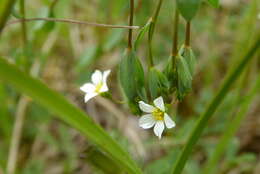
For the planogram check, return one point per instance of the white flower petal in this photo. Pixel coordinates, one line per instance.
(96, 77)
(104, 88)
(158, 128)
(88, 96)
(105, 75)
(168, 121)
(87, 87)
(146, 121)
(158, 102)
(145, 107)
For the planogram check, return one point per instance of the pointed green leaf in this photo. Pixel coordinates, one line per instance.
(189, 58)
(141, 33)
(188, 8)
(131, 75)
(67, 112)
(158, 83)
(184, 77)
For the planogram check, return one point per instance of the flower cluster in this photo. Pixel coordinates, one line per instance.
(155, 116)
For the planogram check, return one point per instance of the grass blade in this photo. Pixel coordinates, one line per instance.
(67, 112)
(231, 129)
(203, 120)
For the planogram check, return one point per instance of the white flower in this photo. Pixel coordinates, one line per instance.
(156, 117)
(98, 85)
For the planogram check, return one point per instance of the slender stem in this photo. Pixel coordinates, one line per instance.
(23, 24)
(175, 33)
(72, 22)
(155, 17)
(131, 21)
(151, 31)
(5, 10)
(187, 35)
(204, 118)
(175, 38)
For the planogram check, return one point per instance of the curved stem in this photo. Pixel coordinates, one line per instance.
(204, 118)
(72, 22)
(131, 21)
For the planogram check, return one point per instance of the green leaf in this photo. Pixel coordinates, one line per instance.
(184, 78)
(214, 3)
(141, 33)
(131, 77)
(201, 124)
(158, 83)
(188, 8)
(171, 74)
(67, 112)
(189, 58)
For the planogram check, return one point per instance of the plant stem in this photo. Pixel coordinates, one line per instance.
(72, 22)
(131, 21)
(151, 31)
(23, 24)
(204, 118)
(187, 34)
(175, 33)
(5, 10)
(175, 37)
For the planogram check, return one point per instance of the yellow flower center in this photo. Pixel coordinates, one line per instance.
(98, 87)
(158, 114)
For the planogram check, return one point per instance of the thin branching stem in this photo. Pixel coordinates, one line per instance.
(131, 21)
(151, 31)
(71, 21)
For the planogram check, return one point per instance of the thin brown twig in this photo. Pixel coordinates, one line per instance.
(72, 22)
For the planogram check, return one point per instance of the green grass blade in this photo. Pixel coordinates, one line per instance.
(231, 129)
(67, 112)
(5, 10)
(203, 120)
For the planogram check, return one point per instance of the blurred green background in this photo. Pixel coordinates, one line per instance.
(64, 55)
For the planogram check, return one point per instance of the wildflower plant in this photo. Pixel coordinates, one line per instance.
(149, 91)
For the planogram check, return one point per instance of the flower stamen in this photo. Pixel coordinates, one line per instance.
(98, 87)
(158, 114)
